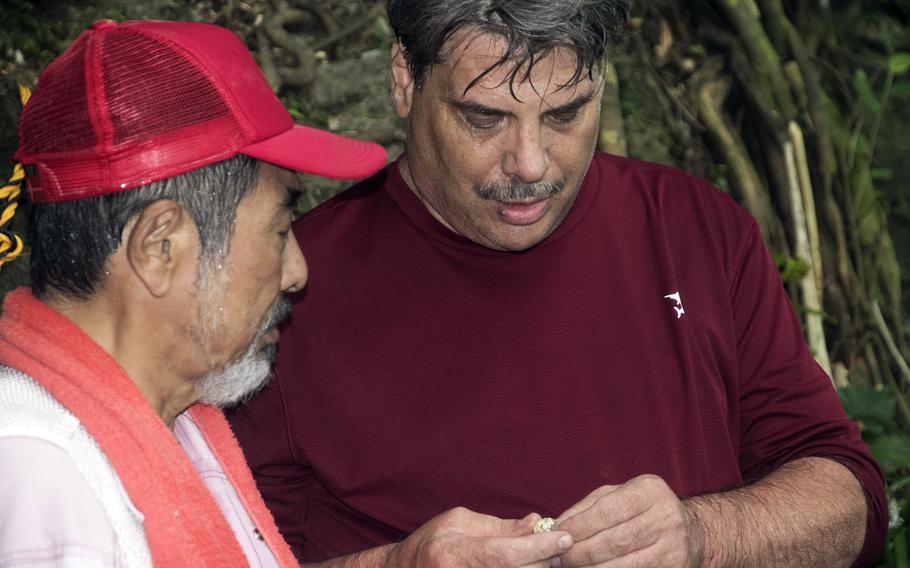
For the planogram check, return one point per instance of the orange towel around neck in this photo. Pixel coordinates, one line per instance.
(183, 523)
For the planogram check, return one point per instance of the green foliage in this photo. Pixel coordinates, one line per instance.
(697, 50)
(866, 94)
(899, 63)
(881, 174)
(875, 410)
(792, 268)
(23, 35)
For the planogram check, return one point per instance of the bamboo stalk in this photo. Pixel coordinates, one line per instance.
(612, 136)
(840, 375)
(815, 332)
(808, 200)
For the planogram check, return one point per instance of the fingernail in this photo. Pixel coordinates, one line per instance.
(565, 542)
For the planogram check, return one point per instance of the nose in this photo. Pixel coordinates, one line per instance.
(528, 158)
(294, 271)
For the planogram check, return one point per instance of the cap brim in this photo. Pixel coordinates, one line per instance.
(313, 151)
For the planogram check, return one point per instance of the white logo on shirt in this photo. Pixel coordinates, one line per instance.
(678, 300)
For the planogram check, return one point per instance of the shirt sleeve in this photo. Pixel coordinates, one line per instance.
(789, 407)
(50, 517)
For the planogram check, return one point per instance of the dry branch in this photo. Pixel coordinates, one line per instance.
(746, 20)
(743, 175)
(896, 355)
(362, 22)
(304, 72)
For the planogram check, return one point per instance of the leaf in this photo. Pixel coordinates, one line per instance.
(900, 89)
(899, 63)
(871, 430)
(881, 173)
(867, 405)
(865, 93)
(891, 451)
(792, 268)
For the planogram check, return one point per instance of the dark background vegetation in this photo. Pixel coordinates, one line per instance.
(798, 108)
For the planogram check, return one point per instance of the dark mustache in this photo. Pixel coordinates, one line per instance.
(277, 313)
(519, 190)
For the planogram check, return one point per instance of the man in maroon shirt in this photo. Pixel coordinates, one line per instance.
(505, 320)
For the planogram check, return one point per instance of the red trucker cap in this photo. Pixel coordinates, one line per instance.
(132, 103)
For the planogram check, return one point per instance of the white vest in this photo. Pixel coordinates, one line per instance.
(26, 409)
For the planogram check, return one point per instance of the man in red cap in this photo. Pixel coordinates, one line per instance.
(161, 175)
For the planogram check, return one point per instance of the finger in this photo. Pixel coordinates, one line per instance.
(585, 503)
(528, 550)
(609, 510)
(617, 542)
(518, 527)
(526, 525)
(649, 557)
(469, 522)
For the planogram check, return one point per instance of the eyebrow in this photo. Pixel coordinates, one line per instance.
(477, 108)
(291, 194)
(573, 105)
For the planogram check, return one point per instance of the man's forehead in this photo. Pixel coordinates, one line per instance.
(275, 183)
(474, 60)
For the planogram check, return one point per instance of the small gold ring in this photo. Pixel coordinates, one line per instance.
(546, 524)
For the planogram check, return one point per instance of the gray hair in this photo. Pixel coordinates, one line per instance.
(71, 241)
(532, 28)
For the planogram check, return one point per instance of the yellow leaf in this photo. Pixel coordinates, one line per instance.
(9, 192)
(7, 214)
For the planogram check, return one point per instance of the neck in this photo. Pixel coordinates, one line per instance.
(405, 169)
(124, 335)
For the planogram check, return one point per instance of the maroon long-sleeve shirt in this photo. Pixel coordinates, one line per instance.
(649, 333)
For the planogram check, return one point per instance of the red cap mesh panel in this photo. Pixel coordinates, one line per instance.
(152, 90)
(58, 120)
(145, 113)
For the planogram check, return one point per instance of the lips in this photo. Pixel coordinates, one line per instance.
(522, 213)
(271, 336)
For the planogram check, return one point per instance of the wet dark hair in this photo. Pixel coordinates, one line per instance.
(71, 241)
(532, 28)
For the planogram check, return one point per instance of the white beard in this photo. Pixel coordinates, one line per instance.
(240, 380)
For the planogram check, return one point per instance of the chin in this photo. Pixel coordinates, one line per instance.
(519, 239)
(239, 381)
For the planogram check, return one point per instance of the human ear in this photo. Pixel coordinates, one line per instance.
(402, 82)
(158, 243)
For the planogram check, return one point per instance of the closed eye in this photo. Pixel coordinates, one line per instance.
(563, 117)
(478, 116)
(481, 120)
